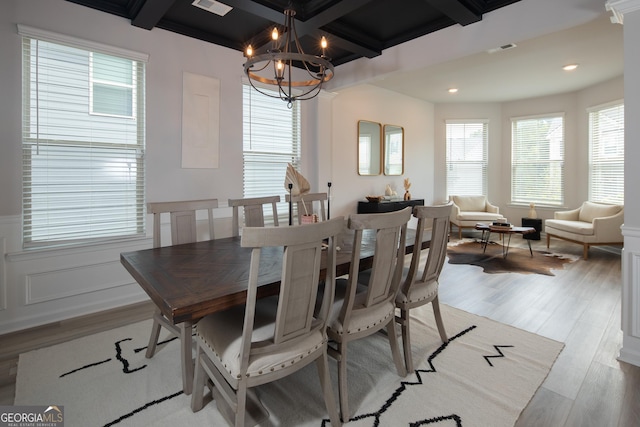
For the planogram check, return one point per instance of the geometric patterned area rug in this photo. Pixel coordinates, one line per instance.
(484, 376)
(518, 260)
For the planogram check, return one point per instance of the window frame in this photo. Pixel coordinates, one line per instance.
(483, 163)
(65, 173)
(534, 193)
(610, 193)
(277, 160)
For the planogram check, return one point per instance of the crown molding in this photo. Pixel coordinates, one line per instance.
(620, 7)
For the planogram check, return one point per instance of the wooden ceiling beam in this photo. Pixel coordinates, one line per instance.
(151, 12)
(456, 10)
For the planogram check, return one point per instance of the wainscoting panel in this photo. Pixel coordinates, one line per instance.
(50, 285)
(630, 351)
(64, 283)
(634, 293)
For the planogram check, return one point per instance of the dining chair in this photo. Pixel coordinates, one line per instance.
(308, 204)
(182, 217)
(420, 286)
(253, 208)
(270, 338)
(359, 311)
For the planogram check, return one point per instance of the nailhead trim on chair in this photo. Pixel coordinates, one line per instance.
(372, 325)
(273, 369)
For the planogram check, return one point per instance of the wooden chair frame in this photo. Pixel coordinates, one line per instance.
(294, 324)
(420, 289)
(253, 212)
(306, 203)
(382, 287)
(183, 230)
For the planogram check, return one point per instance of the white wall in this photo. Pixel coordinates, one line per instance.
(367, 102)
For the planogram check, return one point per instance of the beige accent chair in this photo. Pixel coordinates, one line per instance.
(590, 224)
(308, 204)
(421, 288)
(183, 230)
(253, 212)
(360, 311)
(469, 210)
(270, 338)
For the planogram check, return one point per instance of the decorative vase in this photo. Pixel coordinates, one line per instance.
(309, 219)
(407, 195)
(532, 211)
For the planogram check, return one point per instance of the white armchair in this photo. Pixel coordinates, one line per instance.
(590, 224)
(467, 211)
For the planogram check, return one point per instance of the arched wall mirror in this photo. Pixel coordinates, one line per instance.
(369, 148)
(393, 150)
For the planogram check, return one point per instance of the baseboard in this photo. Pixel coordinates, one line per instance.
(630, 357)
(53, 333)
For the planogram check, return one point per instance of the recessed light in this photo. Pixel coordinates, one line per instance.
(453, 90)
(570, 67)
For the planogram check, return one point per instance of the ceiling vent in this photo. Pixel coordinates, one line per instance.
(503, 47)
(212, 6)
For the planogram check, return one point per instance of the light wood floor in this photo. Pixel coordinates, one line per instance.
(579, 306)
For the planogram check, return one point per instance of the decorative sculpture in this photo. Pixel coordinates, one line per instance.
(407, 185)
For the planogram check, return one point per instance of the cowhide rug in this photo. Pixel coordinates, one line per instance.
(519, 260)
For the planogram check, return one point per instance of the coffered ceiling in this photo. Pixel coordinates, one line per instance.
(354, 28)
(365, 28)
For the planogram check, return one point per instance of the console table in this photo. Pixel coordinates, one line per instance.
(387, 205)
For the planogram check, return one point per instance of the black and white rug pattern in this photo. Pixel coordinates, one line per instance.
(484, 375)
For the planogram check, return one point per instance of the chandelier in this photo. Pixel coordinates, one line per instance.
(275, 68)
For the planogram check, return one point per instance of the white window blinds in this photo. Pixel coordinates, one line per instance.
(271, 140)
(83, 142)
(537, 160)
(466, 158)
(606, 160)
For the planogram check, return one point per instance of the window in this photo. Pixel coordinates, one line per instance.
(83, 141)
(466, 158)
(606, 153)
(112, 89)
(537, 160)
(271, 140)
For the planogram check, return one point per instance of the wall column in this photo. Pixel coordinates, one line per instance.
(627, 12)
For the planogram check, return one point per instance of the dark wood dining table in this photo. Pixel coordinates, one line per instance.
(190, 281)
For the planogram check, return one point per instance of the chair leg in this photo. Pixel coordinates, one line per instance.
(155, 335)
(342, 381)
(241, 404)
(197, 395)
(436, 312)
(395, 350)
(585, 251)
(548, 240)
(327, 392)
(406, 340)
